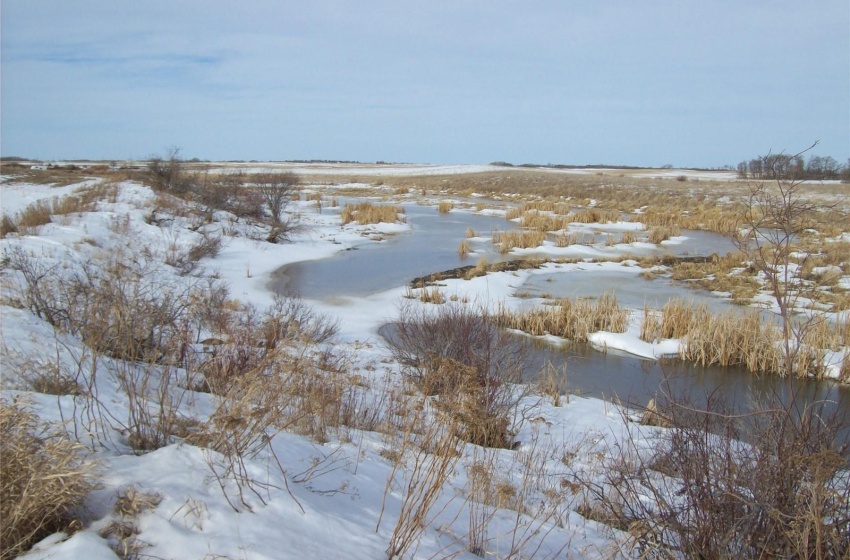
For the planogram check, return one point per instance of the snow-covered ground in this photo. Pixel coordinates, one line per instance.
(340, 497)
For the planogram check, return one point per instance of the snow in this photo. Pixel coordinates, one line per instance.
(327, 499)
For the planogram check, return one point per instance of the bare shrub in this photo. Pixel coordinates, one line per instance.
(185, 259)
(461, 355)
(43, 477)
(269, 377)
(219, 192)
(168, 174)
(40, 374)
(771, 483)
(276, 191)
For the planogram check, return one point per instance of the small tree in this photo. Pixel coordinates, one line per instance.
(775, 217)
(276, 191)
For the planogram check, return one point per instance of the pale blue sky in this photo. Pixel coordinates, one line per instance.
(690, 83)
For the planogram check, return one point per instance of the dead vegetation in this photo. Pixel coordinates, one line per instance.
(364, 213)
(44, 478)
(722, 483)
(460, 355)
(570, 319)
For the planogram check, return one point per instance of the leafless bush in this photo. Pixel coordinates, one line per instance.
(39, 287)
(42, 374)
(288, 388)
(462, 356)
(185, 259)
(219, 192)
(771, 483)
(168, 174)
(249, 337)
(43, 480)
(276, 190)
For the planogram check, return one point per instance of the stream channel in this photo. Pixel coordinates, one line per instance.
(431, 246)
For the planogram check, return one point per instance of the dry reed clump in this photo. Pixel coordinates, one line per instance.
(727, 339)
(367, 213)
(444, 207)
(567, 239)
(426, 294)
(538, 221)
(628, 237)
(594, 216)
(675, 320)
(723, 274)
(480, 269)
(464, 249)
(570, 319)
(522, 239)
(43, 480)
(658, 234)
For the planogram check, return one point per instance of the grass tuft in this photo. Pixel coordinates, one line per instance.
(43, 480)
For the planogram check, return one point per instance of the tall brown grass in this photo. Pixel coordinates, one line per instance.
(44, 479)
(662, 233)
(367, 213)
(571, 319)
(522, 239)
(464, 249)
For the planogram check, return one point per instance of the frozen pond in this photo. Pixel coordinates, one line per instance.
(376, 267)
(432, 247)
(634, 380)
(631, 289)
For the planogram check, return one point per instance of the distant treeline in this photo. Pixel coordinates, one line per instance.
(600, 166)
(785, 167)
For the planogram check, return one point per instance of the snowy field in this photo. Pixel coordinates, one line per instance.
(341, 495)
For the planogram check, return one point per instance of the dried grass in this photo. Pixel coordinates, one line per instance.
(367, 213)
(570, 319)
(43, 480)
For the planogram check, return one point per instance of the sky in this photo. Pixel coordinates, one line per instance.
(679, 82)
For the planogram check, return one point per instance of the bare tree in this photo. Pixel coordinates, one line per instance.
(775, 218)
(276, 191)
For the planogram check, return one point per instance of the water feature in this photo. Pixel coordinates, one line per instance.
(632, 290)
(634, 381)
(432, 246)
(375, 267)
